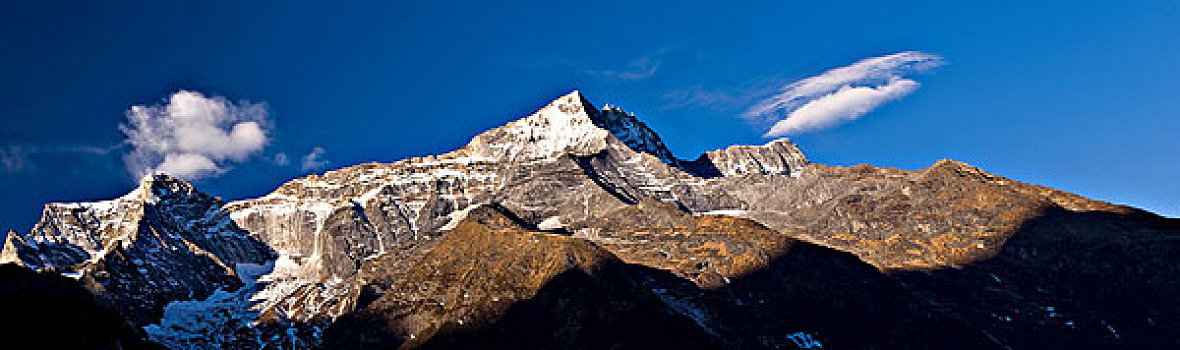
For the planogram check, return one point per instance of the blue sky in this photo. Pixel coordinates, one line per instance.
(1079, 96)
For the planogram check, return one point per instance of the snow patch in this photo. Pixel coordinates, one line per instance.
(456, 217)
(249, 273)
(804, 340)
(551, 223)
(365, 198)
(726, 212)
(684, 307)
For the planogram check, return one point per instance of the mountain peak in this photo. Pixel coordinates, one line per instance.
(9, 252)
(576, 94)
(563, 126)
(157, 185)
(568, 124)
(573, 103)
(159, 178)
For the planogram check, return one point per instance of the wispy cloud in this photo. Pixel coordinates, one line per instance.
(697, 95)
(314, 160)
(841, 94)
(193, 136)
(639, 68)
(726, 99)
(16, 158)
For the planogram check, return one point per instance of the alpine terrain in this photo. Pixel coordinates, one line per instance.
(576, 228)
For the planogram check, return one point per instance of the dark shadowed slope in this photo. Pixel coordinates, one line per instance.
(47, 311)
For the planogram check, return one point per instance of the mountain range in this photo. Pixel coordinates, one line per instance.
(576, 228)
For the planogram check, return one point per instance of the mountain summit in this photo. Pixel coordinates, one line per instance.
(569, 124)
(576, 227)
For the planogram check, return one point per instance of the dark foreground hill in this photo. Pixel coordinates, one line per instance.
(48, 311)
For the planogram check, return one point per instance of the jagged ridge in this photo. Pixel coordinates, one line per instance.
(162, 242)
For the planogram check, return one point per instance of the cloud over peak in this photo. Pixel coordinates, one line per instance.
(841, 94)
(193, 136)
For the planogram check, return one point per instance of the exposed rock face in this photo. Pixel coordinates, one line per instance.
(575, 227)
(165, 241)
(632, 132)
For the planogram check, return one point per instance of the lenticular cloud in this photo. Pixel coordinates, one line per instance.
(193, 136)
(842, 94)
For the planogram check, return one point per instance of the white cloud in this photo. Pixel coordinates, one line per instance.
(846, 104)
(314, 160)
(189, 166)
(841, 94)
(193, 136)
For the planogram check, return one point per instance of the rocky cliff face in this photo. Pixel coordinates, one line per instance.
(575, 227)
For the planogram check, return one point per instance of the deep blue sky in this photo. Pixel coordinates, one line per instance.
(1077, 95)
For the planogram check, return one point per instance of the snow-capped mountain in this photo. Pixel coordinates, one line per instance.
(164, 241)
(576, 227)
